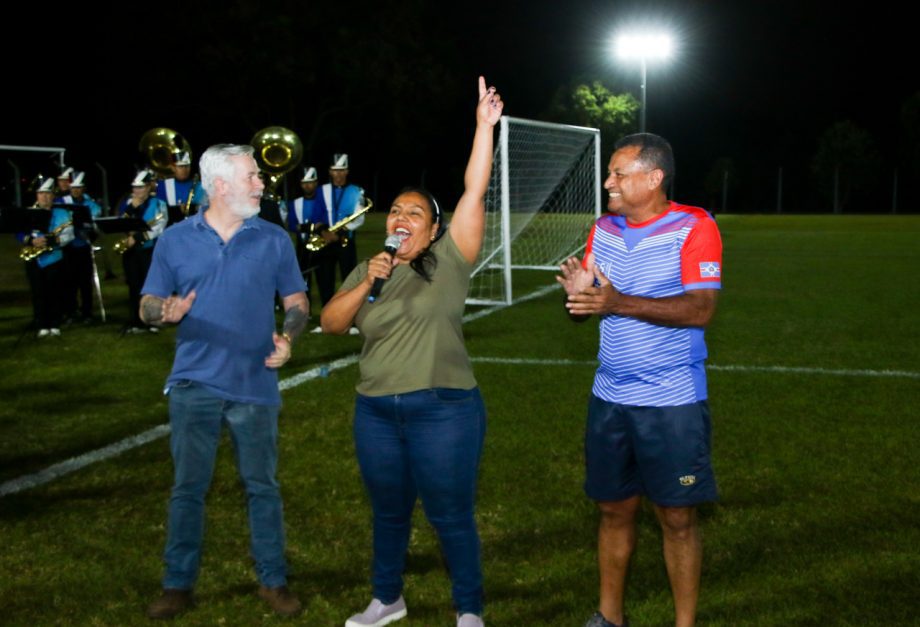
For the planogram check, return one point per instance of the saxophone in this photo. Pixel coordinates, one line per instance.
(29, 252)
(122, 246)
(187, 207)
(316, 241)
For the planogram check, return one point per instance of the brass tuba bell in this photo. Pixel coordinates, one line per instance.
(278, 151)
(160, 145)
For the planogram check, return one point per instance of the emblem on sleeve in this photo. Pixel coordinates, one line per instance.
(687, 480)
(710, 269)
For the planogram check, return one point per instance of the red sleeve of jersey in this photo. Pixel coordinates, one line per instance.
(701, 256)
(589, 247)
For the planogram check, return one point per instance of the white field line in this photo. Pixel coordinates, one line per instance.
(76, 463)
(904, 374)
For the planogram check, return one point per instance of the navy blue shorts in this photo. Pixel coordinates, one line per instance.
(659, 452)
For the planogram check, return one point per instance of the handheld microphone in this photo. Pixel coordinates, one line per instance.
(391, 245)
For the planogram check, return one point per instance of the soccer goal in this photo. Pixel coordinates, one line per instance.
(543, 198)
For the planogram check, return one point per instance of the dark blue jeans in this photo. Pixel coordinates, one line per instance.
(428, 444)
(196, 416)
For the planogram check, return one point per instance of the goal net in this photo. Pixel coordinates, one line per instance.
(544, 195)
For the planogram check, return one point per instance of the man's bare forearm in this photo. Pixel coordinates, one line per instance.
(152, 310)
(296, 317)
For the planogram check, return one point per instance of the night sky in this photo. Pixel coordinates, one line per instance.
(393, 83)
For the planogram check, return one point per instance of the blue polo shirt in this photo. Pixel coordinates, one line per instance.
(224, 339)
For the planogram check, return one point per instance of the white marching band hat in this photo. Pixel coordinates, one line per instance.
(66, 173)
(45, 185)
(183, 158)
(78, 179)
(309, 174)
(142, 178)
(339, 162)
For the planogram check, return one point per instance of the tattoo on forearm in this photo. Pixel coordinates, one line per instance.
(295, 321)
(152, 310)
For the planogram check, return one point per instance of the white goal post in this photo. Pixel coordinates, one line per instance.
(544, 195)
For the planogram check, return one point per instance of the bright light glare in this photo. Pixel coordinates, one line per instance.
(645, 46)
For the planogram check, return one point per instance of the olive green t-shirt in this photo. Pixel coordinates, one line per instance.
(412, 334)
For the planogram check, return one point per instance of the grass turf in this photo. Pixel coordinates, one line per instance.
(817, 523)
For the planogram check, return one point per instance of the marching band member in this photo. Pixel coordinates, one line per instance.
(300, 215)
(180, 190)
(63, 182)
(44, 266)
(139, 245)
(340, 200)
(78, 258)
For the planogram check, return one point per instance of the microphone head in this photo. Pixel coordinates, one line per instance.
(392, 243)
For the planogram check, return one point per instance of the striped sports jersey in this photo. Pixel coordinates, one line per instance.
(677, 251)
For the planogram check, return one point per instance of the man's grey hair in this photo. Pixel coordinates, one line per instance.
(215, 163)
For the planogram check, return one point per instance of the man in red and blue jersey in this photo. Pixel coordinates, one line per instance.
(652, 272)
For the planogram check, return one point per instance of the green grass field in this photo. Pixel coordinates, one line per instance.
(814, 385)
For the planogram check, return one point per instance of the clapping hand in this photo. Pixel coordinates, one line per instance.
(576, 278)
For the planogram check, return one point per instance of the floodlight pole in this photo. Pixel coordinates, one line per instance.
(644, 97)
(642, 47)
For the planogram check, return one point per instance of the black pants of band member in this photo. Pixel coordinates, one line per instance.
(45, 284)
(332, 256)
(136, 263)
(79, 281)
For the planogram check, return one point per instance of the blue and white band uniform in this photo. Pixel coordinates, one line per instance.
(175, 192)
(94, 211)
(59, 217)
(154, 212)
(341, 202)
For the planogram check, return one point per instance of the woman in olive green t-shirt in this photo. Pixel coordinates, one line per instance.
(419, 418)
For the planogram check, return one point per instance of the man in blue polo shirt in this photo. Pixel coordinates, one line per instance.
(652, 272)
(215, 275)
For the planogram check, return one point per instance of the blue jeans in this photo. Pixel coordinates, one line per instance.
(196, 416)
(426, 443)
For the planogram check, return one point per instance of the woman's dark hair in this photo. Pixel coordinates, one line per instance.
(426, 261)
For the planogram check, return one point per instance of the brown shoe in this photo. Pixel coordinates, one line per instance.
(281, 600)
(171, 603)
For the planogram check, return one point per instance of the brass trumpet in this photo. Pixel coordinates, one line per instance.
(316, 242)
(28, 253)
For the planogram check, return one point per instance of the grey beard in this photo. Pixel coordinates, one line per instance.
(243, 210)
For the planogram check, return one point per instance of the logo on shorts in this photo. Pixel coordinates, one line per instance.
(687, 480)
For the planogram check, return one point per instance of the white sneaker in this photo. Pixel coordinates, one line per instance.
(377, 614)
(469, 620)
(44, 332)
(353, 331)
(55, 332)
(318, 329)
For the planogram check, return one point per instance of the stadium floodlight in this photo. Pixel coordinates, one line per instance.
(643, 46)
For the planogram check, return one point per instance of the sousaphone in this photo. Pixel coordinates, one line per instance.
(278, 151)
(160, 146)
